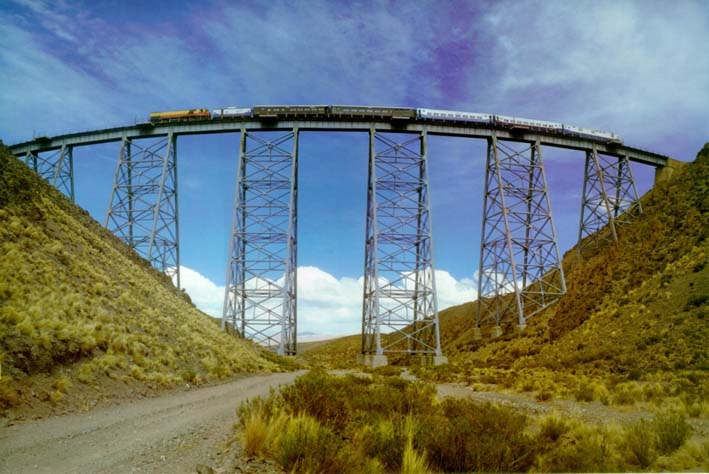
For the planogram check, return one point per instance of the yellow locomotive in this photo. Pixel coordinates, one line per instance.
(180, 115)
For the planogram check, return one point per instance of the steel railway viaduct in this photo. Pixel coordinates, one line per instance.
(520, 269)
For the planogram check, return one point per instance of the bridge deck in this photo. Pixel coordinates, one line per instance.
(147, 130)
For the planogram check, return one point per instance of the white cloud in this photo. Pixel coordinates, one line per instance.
(326, 304)
(318, 51)
(452, 292)
(205, 294)
(65, 69)
(622, 66)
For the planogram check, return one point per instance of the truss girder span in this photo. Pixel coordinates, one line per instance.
(609, 199)
(260, 297)
(57, 167)
(143, 208)
(400, 312)
(520, 269)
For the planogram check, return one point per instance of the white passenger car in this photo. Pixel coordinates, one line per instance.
(231, 112)
(587, 132)
(517, 122)
(453, 115)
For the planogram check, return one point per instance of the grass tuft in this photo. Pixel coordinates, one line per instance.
(671, 429)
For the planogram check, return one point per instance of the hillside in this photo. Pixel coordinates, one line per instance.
(82, 317)
(637, 310)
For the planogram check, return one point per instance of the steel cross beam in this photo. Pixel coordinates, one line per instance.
(143, 208)
(610, 199)
(400, 312)
(520, 270)
(56, 167)
(260, 296)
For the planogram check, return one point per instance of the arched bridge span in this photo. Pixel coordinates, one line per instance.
(520, 264)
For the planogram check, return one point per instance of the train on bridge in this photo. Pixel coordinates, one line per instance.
(396, 114)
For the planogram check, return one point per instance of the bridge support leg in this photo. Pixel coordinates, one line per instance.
(143, 208)
(400, 312)
(260, 296)
(56, 167)
(520, 269)
(609, 199)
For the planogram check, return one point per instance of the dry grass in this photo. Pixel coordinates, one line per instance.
(352, 424)
(73, 297)
(326, 423)
(631, 332)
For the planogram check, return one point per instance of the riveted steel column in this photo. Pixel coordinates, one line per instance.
(371, 332)
(260, 295)
(399, 308)
(143, 207)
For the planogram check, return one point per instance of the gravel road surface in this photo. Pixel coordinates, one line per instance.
(170, 434)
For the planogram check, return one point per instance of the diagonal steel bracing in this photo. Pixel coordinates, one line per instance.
(400, 312)
(57, 167)
(609, 200)
(143, 207)
(520, 265)
(260, 297)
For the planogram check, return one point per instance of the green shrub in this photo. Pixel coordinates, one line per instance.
(306, 446)
(382, 440)
(8, 396)
(696, 301)
(585, 393)
(553, 427)
(544, 395)
(391, 424)
(671, 430)
(627, 394)
(694, 409)
(640, 443)
(189, 375)
(412, 461)
(473, 437)
(581, 449)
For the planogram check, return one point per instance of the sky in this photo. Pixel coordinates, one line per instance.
(636, 68)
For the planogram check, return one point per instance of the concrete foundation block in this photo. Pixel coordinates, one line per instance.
(439, 360)
(496, 332)
(373, 360)
(520, 328)
(429, 360)
(477, 335)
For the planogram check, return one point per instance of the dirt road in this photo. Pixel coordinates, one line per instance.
(170, 434)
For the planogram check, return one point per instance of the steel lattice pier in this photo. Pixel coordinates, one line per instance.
(57, 167)
(260, 299)
(609, 200)
(400, 312)
(520, 269)
(143, 207)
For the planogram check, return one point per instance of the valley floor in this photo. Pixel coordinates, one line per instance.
(179, 431)
(172, 433)
(589, 412)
